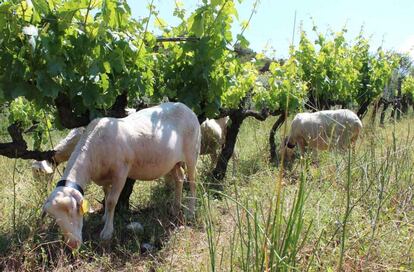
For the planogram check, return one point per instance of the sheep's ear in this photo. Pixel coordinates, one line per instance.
(84, 206)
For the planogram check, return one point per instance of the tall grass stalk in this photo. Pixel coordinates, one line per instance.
(385, 169)
(347, 210)
(206, 211)
(290, 242)
(263, 241)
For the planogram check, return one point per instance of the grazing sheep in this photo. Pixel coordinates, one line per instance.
(322, 130)
(213, 136)
(145, 145)
(44, 169)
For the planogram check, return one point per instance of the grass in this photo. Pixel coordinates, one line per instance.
(349, 212)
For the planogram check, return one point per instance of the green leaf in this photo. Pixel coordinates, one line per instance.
(47, 85)
(244, 43)
(160, 23)
(216, 2)
(109, 13)
(2, 98)
(41, 7)
(73, 5)
(56, 66)
(117, 61)
(5, 10)
(90, 94)
(104, 82)
(196, 24)
(107, 67)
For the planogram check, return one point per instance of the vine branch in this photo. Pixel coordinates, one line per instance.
(17, 148)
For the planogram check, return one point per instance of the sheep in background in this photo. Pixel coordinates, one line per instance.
(44, 169)
(66, 146)
(63, 150)
(213, 137)
(145, 145)
(322, 130)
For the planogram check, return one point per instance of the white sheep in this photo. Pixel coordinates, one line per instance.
(145, 145)
(322, 130)
(213, 137)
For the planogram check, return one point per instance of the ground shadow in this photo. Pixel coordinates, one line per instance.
(156, 219)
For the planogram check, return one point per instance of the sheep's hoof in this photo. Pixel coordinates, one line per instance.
(147, 248)
(106, 235)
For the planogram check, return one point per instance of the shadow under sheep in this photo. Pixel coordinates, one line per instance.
(156, 219)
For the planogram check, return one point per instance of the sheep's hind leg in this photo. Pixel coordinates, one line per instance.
(169, 180)
(178, 176)
(191, 172)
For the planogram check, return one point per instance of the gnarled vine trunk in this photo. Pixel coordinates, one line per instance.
(219, 171)
(237, 117)
(398, 102)
(384, 109)
(272, 134)
(363, 109)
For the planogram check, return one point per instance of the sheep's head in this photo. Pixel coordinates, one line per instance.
(287, 150)
(42, 170)
(67, 206)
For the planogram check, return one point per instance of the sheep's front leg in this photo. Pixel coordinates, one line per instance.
(214, 158)
(315, 156)
(353, 143)
(110, 203)
(301, 144)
